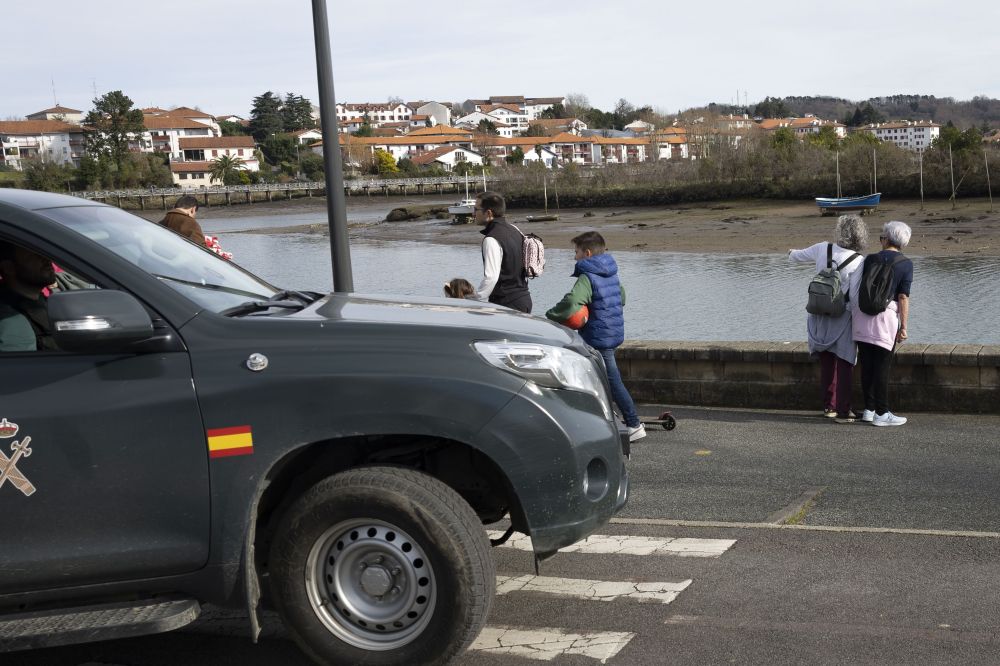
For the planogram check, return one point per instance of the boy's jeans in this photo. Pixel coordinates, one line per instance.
(618, 391)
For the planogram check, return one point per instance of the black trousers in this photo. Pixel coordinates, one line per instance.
(521, 302)
(875, 362)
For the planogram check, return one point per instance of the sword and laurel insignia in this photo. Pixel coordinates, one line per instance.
(8, 466)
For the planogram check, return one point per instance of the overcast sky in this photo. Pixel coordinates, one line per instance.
(218, 54)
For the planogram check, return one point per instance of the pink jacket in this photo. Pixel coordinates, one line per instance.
(879, 329)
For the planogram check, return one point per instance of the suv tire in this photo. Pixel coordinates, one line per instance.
(382, 565)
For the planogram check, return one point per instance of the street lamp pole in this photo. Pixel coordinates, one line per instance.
(336, 202)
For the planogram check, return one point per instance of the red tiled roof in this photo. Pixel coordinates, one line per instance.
(439, 129)
(57, 109)
(188, 112)
(431, 155)
(489, 108)
(172, 122)
(187, 167)
(35, 127)
(195, 142)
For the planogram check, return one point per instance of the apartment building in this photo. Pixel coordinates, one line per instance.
(914, 135)
(49, 140)
(58, 112)
(194, 166)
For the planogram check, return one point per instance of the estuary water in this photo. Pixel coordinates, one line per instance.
(671, 296)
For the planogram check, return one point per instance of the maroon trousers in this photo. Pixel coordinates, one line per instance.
(835, 382)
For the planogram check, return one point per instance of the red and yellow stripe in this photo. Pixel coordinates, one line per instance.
(235, 441)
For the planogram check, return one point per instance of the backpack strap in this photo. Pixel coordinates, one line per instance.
(849, 260)
(829, 255)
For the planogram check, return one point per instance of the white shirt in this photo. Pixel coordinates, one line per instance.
(492, 256)
(817, 253)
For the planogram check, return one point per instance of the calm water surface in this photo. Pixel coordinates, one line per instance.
(671, 296)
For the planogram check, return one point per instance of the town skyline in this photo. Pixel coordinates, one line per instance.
(690, 57)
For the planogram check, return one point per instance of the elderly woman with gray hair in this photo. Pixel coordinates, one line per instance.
(877, 335)
(830, 335)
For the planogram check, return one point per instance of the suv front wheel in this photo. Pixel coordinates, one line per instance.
(382, 565)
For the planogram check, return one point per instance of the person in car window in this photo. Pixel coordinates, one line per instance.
(24, 318)
(181, 219)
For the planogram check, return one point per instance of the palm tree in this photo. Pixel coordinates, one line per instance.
(226, 168)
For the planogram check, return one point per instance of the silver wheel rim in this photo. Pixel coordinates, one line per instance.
(370, 584)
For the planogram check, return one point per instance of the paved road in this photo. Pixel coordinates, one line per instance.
(894, 558)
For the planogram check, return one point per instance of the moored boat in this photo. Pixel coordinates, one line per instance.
(550, 217)
(834, 205)
(463, 207)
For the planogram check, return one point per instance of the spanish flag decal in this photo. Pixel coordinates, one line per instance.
(235, 441)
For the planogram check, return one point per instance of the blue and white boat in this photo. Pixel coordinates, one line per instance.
(835, 205)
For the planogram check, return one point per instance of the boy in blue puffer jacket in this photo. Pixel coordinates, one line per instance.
(598, 288)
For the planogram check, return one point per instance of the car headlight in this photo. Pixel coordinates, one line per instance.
(548, 366)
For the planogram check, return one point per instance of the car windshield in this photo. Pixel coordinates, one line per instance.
(204, 277)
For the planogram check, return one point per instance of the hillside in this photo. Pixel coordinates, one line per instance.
(977, 112)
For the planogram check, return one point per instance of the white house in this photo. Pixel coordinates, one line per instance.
(535, 106)
(553, 126)
(58, 112)
(49, 140)
(447, 156)
(548, 157)
(506, 127)
(375, 113)
(639, 127)
(810, 124)
(164, 132)
(194, 167)
(436, 110)
(508, 114)
(307, 136)
(914, 135)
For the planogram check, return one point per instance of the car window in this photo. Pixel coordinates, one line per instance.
(27, 278)
(207, 279)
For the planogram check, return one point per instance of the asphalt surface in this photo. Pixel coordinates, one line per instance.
(894, 557)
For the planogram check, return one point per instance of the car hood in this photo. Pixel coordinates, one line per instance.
(436, 312)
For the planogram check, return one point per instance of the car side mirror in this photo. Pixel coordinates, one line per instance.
(97, 320)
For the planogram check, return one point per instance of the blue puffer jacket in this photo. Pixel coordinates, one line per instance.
(606, 327)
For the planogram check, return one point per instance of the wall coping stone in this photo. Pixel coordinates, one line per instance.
(798, 352)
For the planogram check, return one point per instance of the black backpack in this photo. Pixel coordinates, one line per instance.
(876, 284)
(826, 294)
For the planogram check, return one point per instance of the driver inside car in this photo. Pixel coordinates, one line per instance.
(24, 318)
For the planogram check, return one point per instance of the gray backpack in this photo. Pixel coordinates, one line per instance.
(826, 295)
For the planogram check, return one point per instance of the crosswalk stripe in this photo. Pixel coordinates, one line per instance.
(545, 644)
(598, 590)
(632, 545)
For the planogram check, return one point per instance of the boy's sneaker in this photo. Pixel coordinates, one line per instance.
(851, 417)
(829, 413)
(888, 419)
(638, 432)
(868, 415)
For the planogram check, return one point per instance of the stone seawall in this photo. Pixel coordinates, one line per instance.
(781, 375)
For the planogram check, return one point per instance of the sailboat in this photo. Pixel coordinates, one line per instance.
(466, 206)
(842, 204)
(547, 217)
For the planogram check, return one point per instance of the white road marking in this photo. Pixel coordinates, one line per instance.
(546, 644)
(598, 590)
(632, 545)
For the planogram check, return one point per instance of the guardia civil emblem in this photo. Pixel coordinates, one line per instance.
(8, 466)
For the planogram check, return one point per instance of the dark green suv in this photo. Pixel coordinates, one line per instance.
(200, 436)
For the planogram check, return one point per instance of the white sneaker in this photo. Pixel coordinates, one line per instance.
(868, 415)
(637, 432)
(888, 419)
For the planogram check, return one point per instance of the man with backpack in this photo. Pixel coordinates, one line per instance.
(505, 279)
(829, 321)
(880, 297)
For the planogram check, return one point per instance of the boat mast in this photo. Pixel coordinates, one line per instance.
(875, 170)
(838, 175)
